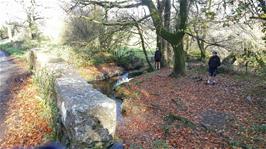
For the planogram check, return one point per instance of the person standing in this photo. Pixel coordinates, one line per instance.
(214, 63)
(157, 58)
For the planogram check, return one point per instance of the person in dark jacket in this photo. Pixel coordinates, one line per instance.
(157, 58)
(214, 63)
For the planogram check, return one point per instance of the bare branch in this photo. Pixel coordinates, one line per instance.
(124, 23)
(258, 17)
(110, 5)
(207, 42)
(140, 32)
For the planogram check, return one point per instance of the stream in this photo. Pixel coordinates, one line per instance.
(107, 87)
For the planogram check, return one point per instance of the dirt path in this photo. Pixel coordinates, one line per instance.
(8, 71)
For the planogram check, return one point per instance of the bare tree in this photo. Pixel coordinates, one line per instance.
(174, 38)
(140, 33)
(32, 16)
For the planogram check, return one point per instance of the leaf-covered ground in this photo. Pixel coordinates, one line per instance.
(164, 112)
(28, 119)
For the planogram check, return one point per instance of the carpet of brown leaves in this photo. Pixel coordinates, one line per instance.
(27, 123)
(144, 122)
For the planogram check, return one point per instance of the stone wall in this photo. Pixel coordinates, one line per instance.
(88, 117)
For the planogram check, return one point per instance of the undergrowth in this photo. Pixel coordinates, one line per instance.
(44, 80)
(18, 48)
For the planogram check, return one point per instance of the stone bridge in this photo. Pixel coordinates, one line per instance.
(88, 117)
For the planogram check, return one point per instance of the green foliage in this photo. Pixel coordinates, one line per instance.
(166, 129)
(44, 80)
(12, 50)
(237, 144)
(125, 56)
(210, 15)
(81, 56)
(85, 56)
(260, 128)
(18, 48)
(251, 60)
(3, 33)
(234, 144)
(160, 144)
(193, 55)
(135, 146)
(101, 58)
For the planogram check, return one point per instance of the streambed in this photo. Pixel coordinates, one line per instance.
(107, 88)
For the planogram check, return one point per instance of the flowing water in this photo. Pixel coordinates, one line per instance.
(107, 87)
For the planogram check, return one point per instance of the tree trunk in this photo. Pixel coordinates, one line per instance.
(160, 40)
(9, 33)
(174, 38)
(246, 66)
(202, 49)
(104, 39)
(166, 45)
(179, 58)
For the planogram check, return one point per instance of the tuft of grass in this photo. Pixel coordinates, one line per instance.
(166, 129)
(237, 144)
(171, 118)
(138, 82)
(44, 80)
(125, 91)
(160, 144)
(259, 128)
(135, 146)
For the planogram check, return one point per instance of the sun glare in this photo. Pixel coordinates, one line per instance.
(51, 15)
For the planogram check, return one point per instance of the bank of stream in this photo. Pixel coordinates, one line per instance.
(107, 87)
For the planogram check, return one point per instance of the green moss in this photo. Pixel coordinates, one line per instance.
(160, 144)
(259, 128)
(135, 146)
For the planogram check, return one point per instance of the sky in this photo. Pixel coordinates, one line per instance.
(10, 10)
(49, 9)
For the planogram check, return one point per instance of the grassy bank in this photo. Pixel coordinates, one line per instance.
(18, 49)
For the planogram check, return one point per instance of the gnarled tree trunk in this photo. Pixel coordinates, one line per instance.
(179, 59)
(176, 38)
